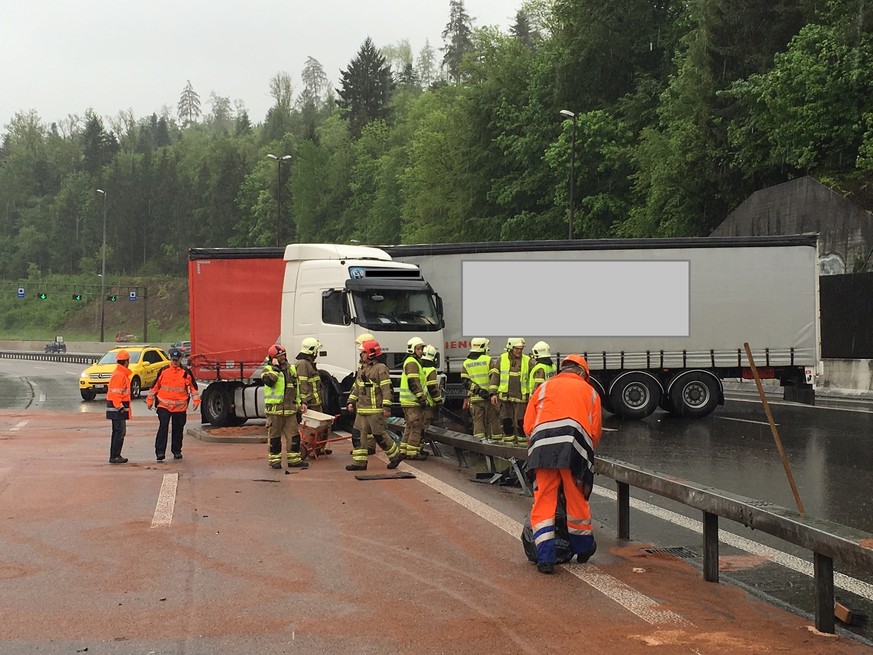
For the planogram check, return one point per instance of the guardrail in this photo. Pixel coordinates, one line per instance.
(76, 358)
(827, 541)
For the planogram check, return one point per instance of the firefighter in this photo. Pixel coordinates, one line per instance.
(542, 367)
(563, 419)
(359, 340)
(413, 399)
(172, 390)
(283, 407)
(370, 400)
(475, 375)
(432, 391)
(311, 392)
(508, 388)
(118, 405)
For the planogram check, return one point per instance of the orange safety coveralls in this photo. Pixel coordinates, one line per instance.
(563, 419)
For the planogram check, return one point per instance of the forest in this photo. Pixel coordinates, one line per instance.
(673, 113)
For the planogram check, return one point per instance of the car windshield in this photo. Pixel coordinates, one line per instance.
(396, 310)
(109, 358)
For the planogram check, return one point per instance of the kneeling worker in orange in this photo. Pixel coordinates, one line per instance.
(563, 419)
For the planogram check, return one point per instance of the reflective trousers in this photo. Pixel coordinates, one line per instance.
(486, 421)
(542, 515)
(279, 426)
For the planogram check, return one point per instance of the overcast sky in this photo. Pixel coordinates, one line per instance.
(61, 57)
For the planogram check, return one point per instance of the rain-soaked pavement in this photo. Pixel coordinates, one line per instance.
(829, 449)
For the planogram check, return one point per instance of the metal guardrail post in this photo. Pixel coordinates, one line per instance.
(710, 547)
(623, 501)
(823, 572)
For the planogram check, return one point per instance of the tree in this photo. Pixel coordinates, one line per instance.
(312, 101)
(221, 115)
(457, 39)
(278, 120)
(426, 67)
(98, 146)
(366, 88)
(189, 105)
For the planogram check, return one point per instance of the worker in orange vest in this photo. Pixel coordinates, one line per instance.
(563, 419)
(118, 405)
(172, 390)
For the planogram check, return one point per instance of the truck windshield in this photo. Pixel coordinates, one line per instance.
(396, 309)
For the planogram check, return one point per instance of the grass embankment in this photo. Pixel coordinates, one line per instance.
(161, 304)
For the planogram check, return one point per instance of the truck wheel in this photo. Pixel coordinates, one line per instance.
(135, 387)
(88, 394)
(634, 395)
(216, 407)
(695, 394)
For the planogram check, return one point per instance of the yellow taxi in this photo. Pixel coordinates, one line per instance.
(145, 364)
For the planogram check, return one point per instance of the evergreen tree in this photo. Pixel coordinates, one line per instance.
(98, 146)
(189, 105)
(366, 88)
(458, 39)
(426, 67)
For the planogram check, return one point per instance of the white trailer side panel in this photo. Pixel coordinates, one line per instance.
(762, 295)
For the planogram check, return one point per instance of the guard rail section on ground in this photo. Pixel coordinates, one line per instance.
(80, 358)
(827, 541)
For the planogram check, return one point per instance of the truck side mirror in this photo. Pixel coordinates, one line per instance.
(439, 306)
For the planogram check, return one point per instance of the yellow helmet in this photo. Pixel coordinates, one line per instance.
(430, 353)
(541, 349)
(310, 346)
(362, 338)
(515, 342)
(413, 343)
(479, 345)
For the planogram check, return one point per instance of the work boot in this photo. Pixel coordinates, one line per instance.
(395, 462)
(275, 465)
(118, 460)
(582, 558)
(177, 455)
(160, 458)
(299, 465)
(545, 567)
(371, 451)
(356, 467)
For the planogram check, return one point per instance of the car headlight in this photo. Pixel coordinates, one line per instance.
(84, 375)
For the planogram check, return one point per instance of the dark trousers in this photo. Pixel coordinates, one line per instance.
(119, 429)
(178, 419)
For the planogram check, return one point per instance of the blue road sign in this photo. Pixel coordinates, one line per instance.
(21, 292)
(132, 296)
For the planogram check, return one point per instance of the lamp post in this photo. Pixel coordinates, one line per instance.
(279, 161)
(103, 271)
(570, 114)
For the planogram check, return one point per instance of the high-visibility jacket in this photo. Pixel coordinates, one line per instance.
(432, 386)
(310, 381)
(118, 393)
(173, 388)
(563, 419)
(510, 377)
(540, 372)
(372, 390)
(282, 393)
(412, 383)
(475, 372)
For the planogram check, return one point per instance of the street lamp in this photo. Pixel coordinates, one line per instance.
(103, 271)
(279, 161)
(570, 114)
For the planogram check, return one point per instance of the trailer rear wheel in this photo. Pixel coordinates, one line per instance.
(634, 395)
(216, 407)
(695, 394)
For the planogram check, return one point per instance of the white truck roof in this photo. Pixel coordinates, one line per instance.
(308, 251)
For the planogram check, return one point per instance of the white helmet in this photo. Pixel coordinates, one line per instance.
(479, 345)
(362, 338)
(515, 342)
(430, 353)
(310, 346)
(413, 343)
(541, 349)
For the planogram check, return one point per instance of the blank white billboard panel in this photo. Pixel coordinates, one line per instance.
(576, 298)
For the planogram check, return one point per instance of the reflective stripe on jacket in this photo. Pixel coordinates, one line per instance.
(432, 385)
(510, 378)
(412, 382)
(118, 390)
(563, 419)
(541, 372)
(282, 394)
(372, 390)
(310, 382)
(477, 371)
(173, 389)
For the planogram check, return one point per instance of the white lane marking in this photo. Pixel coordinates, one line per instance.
(42, 397)
(631, 599)
(757, 401)
(609, 429)
(841, 580)
(743, 420)
(72, 373)
(166, 501)
(18, 426)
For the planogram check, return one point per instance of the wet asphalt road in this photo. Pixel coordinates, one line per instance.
(829, 449)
